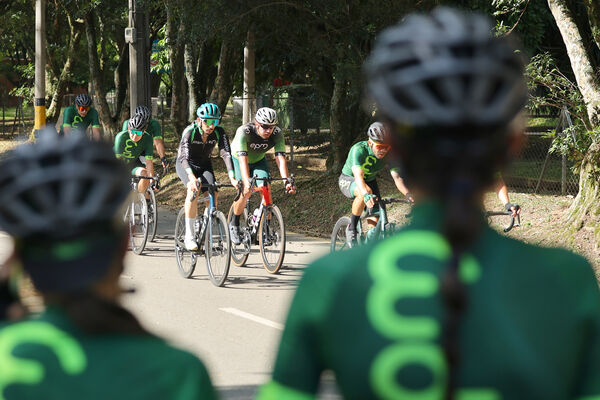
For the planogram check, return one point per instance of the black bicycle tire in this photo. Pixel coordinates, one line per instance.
(271, 268)
(152, 224)
(238, 256)
(180, 250)
(138, 247)
(340, 226)
(214, 278)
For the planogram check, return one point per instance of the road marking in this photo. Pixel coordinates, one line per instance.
(253, 317)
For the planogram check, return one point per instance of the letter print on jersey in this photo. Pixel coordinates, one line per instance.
(129, 144)
(259, 146)
(415, 337)
(369, 162)
(68, 351)
(77, 120)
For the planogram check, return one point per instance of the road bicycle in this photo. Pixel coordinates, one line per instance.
(511, 224)
(382, 229)
(152, 206)
(136, 216)
(263, 227)
(212, 235)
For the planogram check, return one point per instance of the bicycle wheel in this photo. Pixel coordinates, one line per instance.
(152, 215)
(240, 252)
(186, 260)
(217, 248)
(138, 223)
(338, 236)
(272, 239)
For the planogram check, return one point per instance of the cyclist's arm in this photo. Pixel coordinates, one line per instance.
(157, 138)
(241, 145)
(399, 182)
(359, 179)
(225, 152)
(159, 144)
(279, 149)
(244, 168)
(149, 167)
(282, 165)
(67, 120)
(183, 153)
(149, 154)
(95, 125)
(118, 146)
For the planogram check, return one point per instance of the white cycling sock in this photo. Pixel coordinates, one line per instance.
(189, 228)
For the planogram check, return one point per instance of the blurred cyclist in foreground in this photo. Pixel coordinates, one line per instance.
(62, 202)
(447, 308)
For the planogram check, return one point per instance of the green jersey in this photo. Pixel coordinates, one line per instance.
(361, 155)
(374, 315)
(50, 358)
(153, 128)
(129, 150)
(247, 143)
(72, 119)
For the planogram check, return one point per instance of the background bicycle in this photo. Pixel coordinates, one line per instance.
(212, 235)
(136, 216)
(263, 226)
(382, 229)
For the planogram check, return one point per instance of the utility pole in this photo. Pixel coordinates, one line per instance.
(39, 102)
(249, 101)
(137, 35)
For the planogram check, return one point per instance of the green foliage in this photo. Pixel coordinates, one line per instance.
(26, 90)
(574, 142)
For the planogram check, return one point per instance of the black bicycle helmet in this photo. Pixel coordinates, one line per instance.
(62, 200)
(143, 111)
(377, 132)
(137, 122)
(446, 69)
(83, 100)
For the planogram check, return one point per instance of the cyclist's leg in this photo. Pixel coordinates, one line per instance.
(143, 184)
(190, 207)
(239, 204)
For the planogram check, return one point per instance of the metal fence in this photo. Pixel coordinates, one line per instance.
(538, 170)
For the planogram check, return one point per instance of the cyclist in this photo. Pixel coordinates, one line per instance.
(251, 143)
(80, 116)
(154, 130)
(133, 143)
(63, 209)
(358, 178)
(446, 308)
(193, 165)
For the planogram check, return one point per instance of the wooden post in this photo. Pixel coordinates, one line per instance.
(249, 101)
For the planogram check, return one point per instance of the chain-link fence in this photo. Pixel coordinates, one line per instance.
(538, 170)
(16, 116)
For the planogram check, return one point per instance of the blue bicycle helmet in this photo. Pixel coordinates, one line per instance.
(209, 110)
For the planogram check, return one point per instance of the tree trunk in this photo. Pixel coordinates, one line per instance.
(586, 78)
(65, 75)
(593, 10)
(175, 42)
(340, 131)
(191, 54)
(228, 60)
(110, 125)
(122, 111)
(586, 206)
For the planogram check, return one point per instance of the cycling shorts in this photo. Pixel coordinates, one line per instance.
(260, 169)
(205, 173)
(348, 185)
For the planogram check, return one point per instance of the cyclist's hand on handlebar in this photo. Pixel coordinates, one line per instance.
(290, 188)
(409, 197)
(234, 182)
(193, 185)
(514, 208)
(369, 200)
(246, 191)
(165, 163)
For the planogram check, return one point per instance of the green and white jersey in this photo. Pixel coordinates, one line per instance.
(153, 128)
(361, 155)
(374, 315)
(129, 150)
(247, 143)
(50, 358)
(72, 119)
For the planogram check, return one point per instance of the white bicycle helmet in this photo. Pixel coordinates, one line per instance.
(377, 132)
(266, 116)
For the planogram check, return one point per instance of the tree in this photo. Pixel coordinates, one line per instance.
(586, 206)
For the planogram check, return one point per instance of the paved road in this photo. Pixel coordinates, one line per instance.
(234, 329)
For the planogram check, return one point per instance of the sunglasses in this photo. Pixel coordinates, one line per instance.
(267, 127)
(381, 146)
(82, 109)
(211, 121)
(137, 133)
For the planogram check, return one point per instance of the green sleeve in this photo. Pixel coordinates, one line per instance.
(95, 118)
(148, 147)
(240, 142)
(154, 129)
(280, 143)
(118, 147)
(68, 115)
(299, 362)
(125, 125)
(355, 156)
